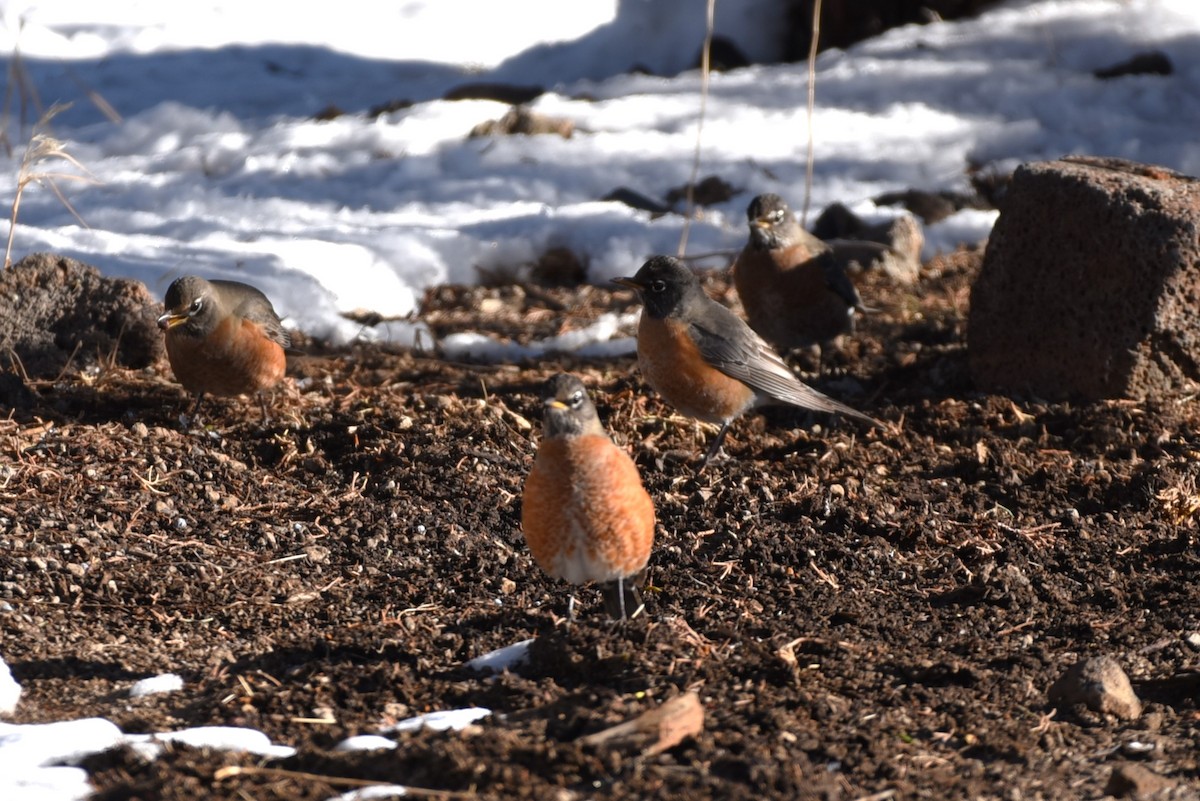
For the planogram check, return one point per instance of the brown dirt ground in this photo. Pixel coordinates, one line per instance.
(863, 614)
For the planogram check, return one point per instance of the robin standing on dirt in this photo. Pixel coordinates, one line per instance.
(585, 514)
(223, 338)
(795, 291)
(704, 360)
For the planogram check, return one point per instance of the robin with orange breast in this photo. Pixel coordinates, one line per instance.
(794, 290)
(585, 514)
(223, 338)
(704, 360)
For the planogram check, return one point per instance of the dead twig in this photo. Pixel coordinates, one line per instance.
(230, 771)
(705, 70)
(812, 101)
(657, 730)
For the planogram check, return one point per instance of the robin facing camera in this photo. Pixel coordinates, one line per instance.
(223, 338)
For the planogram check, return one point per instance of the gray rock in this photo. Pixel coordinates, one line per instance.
(1131, 780)
(56, 313)
(1090, 285)
(1099, 684)
(893, 247)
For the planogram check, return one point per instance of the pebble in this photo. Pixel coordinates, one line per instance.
(1101, 685)
(1193, 640)
(1131, 780)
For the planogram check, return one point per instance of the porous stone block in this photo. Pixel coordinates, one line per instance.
(1090, 285)
(56, 312)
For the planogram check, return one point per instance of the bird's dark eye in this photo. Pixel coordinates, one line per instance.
(576, 399)
(196, 306)
(658, 286)
(777, 216)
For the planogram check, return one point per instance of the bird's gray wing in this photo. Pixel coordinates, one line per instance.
(839, 281)
(251, 304)
(732, 347)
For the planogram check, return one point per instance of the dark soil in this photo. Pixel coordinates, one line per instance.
(864, 614)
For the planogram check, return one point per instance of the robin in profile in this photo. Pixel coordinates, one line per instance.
(585, 514)
(704, 360)
(223, 338)
(794, 289)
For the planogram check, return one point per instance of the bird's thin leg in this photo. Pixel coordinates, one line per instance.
(191, 415)
(715, 446)
(621, 595)
(266, 415)
(571, 609)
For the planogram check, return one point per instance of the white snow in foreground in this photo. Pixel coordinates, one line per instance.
(43, 784)
(376, 791)
(222, 738)
(10, 691)
(502, 659)
(445, 720)
(449, 719)
(36, 758)
(366, 742)
(165, 683)
(218, 166)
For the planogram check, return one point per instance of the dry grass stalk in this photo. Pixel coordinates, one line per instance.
(705, 70)
(812, 102)
(21, 87)
(41, 149)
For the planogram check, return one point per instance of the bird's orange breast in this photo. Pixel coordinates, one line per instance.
(585, 514)
(675, 368)
(236, 357)
(787, 298)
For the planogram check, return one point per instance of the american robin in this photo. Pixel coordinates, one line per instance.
(794, 289)
(223, 338)
(584, 511)
(705, 360)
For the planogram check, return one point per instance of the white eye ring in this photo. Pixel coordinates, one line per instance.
(196, 306)
(658, 286)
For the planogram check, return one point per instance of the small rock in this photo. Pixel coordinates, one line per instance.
(1193, 640)
(1101, 685)
(1131, 780)
(522, 121)
(140, 430)
(1152, 62)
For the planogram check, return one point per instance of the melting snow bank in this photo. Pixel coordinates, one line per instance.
(593, 341)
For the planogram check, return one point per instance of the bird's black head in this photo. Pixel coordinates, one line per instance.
(191, 306)
(665, 284)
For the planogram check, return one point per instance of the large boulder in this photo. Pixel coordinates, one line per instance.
(58, 313)
(1090, 286)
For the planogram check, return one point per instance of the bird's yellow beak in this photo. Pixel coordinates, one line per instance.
(761, 222)
(629, 282)
(555, 403)
(170, 320)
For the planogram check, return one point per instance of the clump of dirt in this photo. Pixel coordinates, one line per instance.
(862, 613)
(57, 313)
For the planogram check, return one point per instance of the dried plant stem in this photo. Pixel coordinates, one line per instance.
(705, 71)
(812, 101)
(40, 149)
